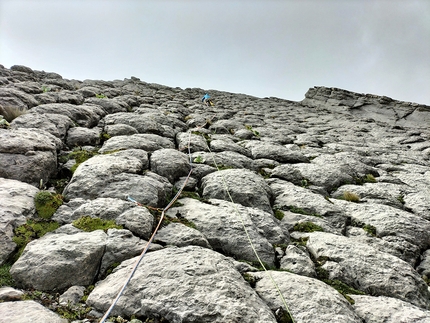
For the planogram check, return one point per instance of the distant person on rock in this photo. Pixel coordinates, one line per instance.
(207, 100)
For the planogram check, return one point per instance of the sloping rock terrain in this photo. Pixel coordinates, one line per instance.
(330, 195)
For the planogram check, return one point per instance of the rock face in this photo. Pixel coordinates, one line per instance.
(330, 195)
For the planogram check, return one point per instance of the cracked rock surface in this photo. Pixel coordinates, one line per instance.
(333, 193)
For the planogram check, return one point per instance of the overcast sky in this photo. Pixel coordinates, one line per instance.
(264, 48)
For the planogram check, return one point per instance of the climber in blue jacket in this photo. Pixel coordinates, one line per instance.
(207, 99)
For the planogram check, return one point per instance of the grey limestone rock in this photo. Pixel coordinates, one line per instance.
(170, 163)
(279, 158)
(28, 311)
(297, 261)
(119, 130)
(367, 269)
(28, 155)
(120, 245)
(55, 124)
(178, 234)
(191, 141)
(245, 187)
(72, 296)
(81, 136)
(224, 160)
(73, 259)
(17, 203)
(12, 97)
(276, 152)
(119, 175)
(10, 294)
(110, 106)
(147, 142)
(143, 123)
(220, 294)
(84, 115)
(309, 300)
(388, 310)
(221, 223)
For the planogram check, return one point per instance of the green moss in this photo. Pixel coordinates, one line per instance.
(30, 231)
(5, 276)
(88, 224)
(80, 156)
(307, 226)
(370, 229)
(104, 136)
(101, 96)
(47, 203)
(279, 214)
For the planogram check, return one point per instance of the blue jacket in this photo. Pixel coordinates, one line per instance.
(205, 97)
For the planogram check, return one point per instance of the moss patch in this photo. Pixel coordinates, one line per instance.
(30, 231)
(279, 214)
(88, 224)
(80, 155)
(47, 203)
(307, 226)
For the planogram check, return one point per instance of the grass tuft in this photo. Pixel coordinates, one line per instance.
(5, 276)
(9, 113)
(351, 197)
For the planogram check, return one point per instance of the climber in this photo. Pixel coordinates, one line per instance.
(207, 100)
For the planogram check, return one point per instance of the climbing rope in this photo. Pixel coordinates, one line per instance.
(249, 237)
(152, 236)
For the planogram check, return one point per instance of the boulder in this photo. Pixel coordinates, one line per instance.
(220, 294)
(297, 261)
(84, 115)
(180, 235)
(222, 222)
(274, 151)
(56, 262)
(28, 155)
(367, 269)
(10, 294)
(309, 300)
(55, 124)
(388, 310)
(170, 163)
(28, 311)
(147, 142)
(244, 187)
(81, 136)
(145, 123)
(17, 203)
(119, 175)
